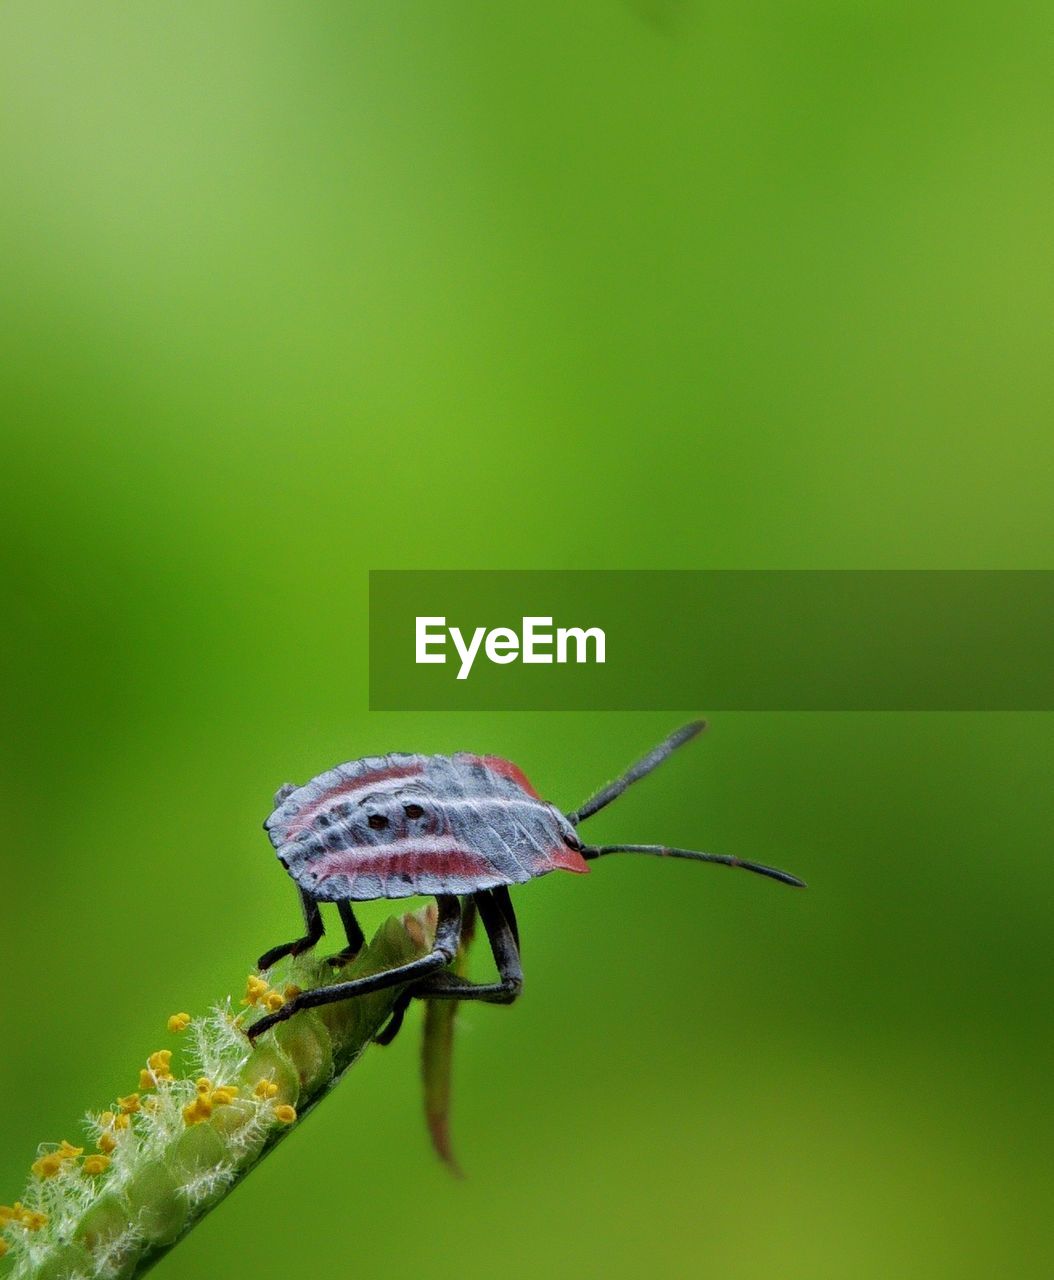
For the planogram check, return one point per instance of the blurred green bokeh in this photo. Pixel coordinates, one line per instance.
(291, 292)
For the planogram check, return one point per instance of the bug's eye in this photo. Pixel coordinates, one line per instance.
(377, 821)
(413, 810)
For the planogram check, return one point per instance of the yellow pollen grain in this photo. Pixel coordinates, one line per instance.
(157, 1068)
(203, 1085)
(291, 990)
(129, 1105)
(8, 1213)
(68, 1151)
(273, 1001)
(198, 1110)
(179, 1022)
(255, 990)
(47, 1166)
(3, 1247)
(96, 1164)
(284, 1113)
(223, 1096)
(265, 1089)
(107, 1142)
(32, 1220)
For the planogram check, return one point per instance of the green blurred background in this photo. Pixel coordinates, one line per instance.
(293, 291)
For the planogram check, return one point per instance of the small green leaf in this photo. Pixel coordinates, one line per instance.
(268, 1062)
(67, 1261)
(437, 1055)
(105, 1231)
(307, 1044)
(241, 1138)
(199, 1148)
(156, 1204)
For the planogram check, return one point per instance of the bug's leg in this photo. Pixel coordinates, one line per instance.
(499, 920)
(448, 934)
(315, 930)
(468, 930)
(394, 1024)
(504, 902)
(356, 938)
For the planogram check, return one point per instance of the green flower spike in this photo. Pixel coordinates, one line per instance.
(167, 1154)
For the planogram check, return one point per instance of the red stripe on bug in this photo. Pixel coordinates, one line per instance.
(412, 860)
(363, 782)
(418, 858)
(506, 769)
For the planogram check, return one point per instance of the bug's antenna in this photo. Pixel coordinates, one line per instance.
(643, 767)
(725, 859)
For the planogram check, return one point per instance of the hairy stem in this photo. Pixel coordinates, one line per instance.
(201, 1120)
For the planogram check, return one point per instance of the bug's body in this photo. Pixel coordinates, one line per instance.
(453, 826)
(391, 826)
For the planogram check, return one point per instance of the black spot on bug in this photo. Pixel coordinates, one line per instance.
(413, 810)
(322, 820)
(343, 809)
(333, 840)
(377, 821)
(405, 877)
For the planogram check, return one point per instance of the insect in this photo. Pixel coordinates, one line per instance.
(460, 826)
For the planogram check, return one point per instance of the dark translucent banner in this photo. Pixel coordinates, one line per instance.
(751, 640)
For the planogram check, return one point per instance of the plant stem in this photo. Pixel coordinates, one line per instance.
(180, 1146)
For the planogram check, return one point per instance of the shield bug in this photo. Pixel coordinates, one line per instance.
(460, 826)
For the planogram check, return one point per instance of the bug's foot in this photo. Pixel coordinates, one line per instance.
(272, 1020)
(296, 948)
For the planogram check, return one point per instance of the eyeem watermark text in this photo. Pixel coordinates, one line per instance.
(537, 641)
